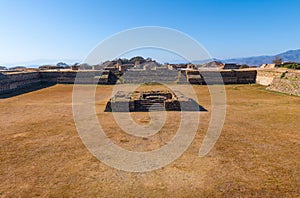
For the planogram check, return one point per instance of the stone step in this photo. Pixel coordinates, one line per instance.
(156, 107)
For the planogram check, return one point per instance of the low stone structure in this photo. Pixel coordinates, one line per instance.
(201, 77)
(268, 66)
(149, 76)
(288, 82)
(266, 76)
(18, 80)
(151, 101)
(231, 66)
(221, 76)
(10, 82)
(280, 79)
(82, 77)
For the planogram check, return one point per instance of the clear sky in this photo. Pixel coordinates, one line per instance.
(70, 29)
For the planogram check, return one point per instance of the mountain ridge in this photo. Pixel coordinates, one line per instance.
(290, 55)
(38, 62)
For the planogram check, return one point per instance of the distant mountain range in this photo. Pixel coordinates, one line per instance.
(291, 55)
(39, 62)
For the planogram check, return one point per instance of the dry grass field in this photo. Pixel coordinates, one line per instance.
(257, 154)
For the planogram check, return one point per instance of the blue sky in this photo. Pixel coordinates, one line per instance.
(70, 29)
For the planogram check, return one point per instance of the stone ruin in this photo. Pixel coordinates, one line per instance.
(144, 101)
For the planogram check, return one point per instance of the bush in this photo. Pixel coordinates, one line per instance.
(291, 65)
(283, 75)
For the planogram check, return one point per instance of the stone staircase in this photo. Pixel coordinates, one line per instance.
(157, 107)
(150, 106)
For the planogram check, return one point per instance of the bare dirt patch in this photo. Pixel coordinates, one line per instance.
(257, 153)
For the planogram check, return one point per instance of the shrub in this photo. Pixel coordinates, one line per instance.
(291, 65)
(283, 75)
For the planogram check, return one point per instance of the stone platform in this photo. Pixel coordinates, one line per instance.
(143, 101)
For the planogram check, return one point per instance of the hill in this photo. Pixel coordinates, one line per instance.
(291, 55)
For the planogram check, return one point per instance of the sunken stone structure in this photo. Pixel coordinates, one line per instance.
(143, 101)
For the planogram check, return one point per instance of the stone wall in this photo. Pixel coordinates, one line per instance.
(10, 82)
(282, 80)
(228, 77)
(13, 81)
(266, 76)
(189, 76)
(288, 82)
(148, 76)
(82, 77)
